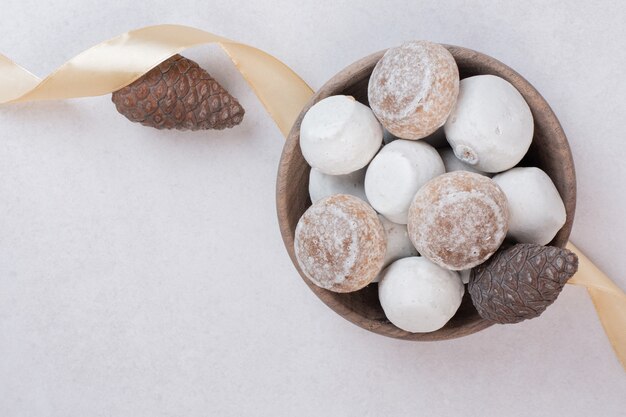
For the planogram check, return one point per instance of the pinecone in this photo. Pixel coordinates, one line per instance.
(520, 282)
(178, 94)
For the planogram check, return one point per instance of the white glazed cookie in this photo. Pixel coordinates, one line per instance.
(458, 220)
(452, 163)
(536, 209)
(413, 88)
(396, 173)
(491, 126)
(323, 185)
(339, 135)
(340, 243)
(419, 296)
(398, 243)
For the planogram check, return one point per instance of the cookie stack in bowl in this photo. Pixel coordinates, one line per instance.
(428, 191)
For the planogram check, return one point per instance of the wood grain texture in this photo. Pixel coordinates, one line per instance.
(549, 151)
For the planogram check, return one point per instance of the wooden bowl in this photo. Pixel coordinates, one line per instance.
(549, 151)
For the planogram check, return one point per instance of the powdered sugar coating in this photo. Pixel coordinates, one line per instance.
(536, 209)
(396, 173)
(323, 185)
(419, 296)
(398, 243)
(339, 135)
(413, 88)
(491, 126)
(340, 243)
(452, 163)
(458, 220)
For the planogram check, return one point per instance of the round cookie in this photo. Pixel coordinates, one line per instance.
(491, 126)
(413, 88)
(536, 209)
(458, 220)
(419, 296)
(340, 243)
(339, 135)
(323, 185)
(396, 173)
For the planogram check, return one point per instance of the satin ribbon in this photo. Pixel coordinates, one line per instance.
(608, 299)
(115, 63)
(118, 62)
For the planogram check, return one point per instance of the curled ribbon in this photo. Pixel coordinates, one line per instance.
(115, 63)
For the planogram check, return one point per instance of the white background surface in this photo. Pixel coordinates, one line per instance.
(142, 272)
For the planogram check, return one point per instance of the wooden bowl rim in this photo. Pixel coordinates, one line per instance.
(336, 84)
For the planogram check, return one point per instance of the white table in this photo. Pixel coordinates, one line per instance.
(142, 272)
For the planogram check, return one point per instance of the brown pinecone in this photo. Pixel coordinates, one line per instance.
(178, 94)
(520, 282)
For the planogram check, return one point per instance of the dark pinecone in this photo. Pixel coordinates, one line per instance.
(520, 282)
(178, 94)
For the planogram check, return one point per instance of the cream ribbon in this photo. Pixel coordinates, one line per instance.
(608, 299)
(115, 63)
